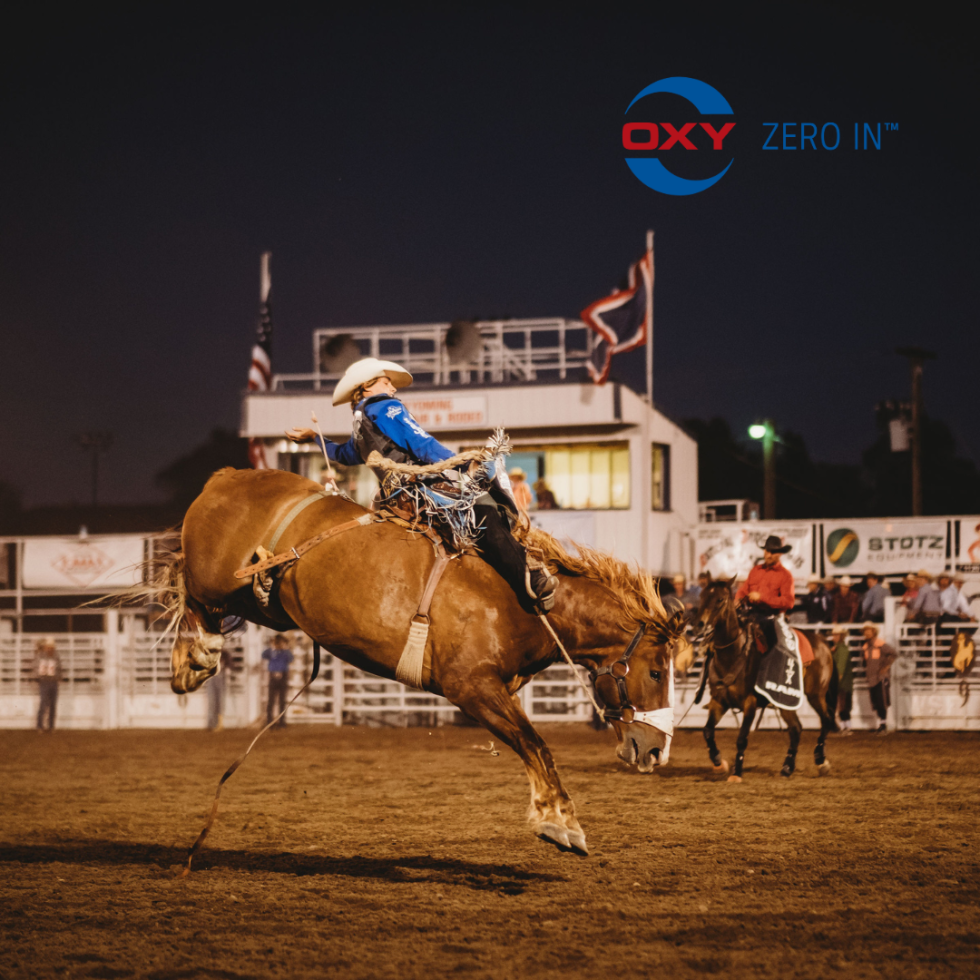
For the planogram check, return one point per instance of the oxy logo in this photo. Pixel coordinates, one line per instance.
(663, 136)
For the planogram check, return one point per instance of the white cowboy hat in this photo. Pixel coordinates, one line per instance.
(845, 580)
(367, 369)
(814, 580)
(517, 471)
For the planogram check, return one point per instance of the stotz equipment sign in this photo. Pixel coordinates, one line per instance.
(886, 547)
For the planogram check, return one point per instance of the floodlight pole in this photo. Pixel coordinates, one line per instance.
(769, 472)
(917, 357)
(95, 443)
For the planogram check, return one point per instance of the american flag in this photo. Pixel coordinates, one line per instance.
(260, 372)
(623, 320)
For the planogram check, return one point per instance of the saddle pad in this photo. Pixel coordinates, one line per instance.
(780, 676)
(806, 651)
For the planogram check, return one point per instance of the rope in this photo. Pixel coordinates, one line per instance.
(571, 663)
(231, 769)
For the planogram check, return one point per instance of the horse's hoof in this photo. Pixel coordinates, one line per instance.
(823, 768)
(734, 779)
(786, 771)
(553, 834)
(576, 841)
(723, 768)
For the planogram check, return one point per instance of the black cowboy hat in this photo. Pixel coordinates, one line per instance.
(776, 546)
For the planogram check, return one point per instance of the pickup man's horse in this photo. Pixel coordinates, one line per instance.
(732, 664)
(357, 592)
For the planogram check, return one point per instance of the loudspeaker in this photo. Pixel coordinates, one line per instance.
(338, 353)
(463, 342)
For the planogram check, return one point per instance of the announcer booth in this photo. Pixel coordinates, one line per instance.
(617, 474)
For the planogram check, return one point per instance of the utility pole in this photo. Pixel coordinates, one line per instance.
(766, 432)
(917, 356)
(95, 443)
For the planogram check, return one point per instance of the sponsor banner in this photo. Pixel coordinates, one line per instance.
(730, 550)
(887, 547)
(447, 411)
(71, 563)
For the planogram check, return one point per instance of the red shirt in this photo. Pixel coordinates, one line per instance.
(774, 585)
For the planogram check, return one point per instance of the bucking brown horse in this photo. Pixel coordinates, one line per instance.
(357, 592)
(732, 663)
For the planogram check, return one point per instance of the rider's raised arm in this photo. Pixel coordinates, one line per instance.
(393, 419)
(344, 453)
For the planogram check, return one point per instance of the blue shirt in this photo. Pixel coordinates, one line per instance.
(279, 660)
(394, 420)
(873, 603)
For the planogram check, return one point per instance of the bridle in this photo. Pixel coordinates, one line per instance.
(618, 671)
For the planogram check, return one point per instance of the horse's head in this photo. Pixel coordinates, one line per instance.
(637, 690)
(716, 604)
(194, 659)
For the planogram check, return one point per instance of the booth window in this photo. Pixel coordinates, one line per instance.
(660, 477)
(580, 476)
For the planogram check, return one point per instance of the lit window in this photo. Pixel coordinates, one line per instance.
(660, 477)
(576, 476)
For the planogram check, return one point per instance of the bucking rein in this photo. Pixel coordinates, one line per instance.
(411, 663)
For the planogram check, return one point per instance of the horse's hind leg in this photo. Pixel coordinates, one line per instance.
(552, 813)
(748, 714)
(827, 725)
(715, 712)
(795, 727)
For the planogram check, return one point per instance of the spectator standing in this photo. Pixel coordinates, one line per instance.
(873, 600)
(520, 489)
(878, 659)
(841, 653)
(47, 673)
(546, 499)
(845, 602)
(217, 690)
(279, 657)
(926, 608)
(816, 600)
(952, 602)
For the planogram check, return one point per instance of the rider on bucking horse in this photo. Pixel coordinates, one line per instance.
(768, 591)
(383, 423)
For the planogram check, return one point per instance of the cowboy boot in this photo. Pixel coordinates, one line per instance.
(541, 587)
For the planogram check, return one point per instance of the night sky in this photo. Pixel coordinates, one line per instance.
(437, 165)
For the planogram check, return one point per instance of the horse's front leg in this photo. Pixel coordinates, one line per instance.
(795, 728)
(715, 711)
(552, 812)
(748, 713)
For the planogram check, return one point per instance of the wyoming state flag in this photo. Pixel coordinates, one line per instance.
(622, 320)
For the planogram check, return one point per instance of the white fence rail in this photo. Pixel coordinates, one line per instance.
(121, 679)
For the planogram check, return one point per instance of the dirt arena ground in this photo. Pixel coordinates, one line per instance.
(403, 853)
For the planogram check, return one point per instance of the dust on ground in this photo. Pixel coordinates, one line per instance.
(367, 853)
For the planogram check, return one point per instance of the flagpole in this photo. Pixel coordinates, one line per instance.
(649, 343)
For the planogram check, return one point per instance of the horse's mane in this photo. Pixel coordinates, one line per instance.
(636, 590)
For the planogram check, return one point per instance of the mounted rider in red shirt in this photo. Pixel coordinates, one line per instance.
(768, 591)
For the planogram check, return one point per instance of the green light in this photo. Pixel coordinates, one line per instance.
(757, 431)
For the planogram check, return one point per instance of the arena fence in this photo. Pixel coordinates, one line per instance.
(119, 677)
